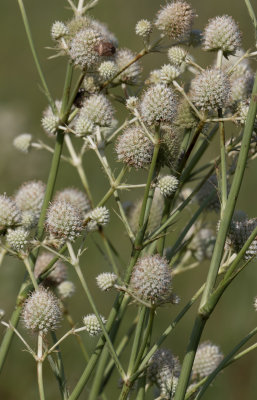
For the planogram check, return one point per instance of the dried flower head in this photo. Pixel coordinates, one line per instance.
(75, 197)
(106, 281)
(211, 89)
(222, 33)
(41, 311)
(168, 73)
(239, 231)
(63, 221)
(83, 125)
(92, 324)
(23, 142)
(151, 280)
(58, 275)
(10, 214)
(130, 75)
(163, 370)
(158, 104)
(107, 69)
(17, 239)
(50, 121)
(177, 55)
(155, 213)
(168, 185)
(175, 19)
(66, 289)
(30, 197)
(185, 117)
(170, 146)
(58, 30)
(84, 48)
(100, 215)
(97, 109)
(132, 103)
(134, 147)
(143, 28)
(207, 358)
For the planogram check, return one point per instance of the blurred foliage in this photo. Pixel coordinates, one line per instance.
(21, 105)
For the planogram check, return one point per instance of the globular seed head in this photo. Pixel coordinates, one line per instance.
(132, 103)
(30, 197)
(10, 214)
(106, 281)
(63, 221)
(158, 105)
(98, 109)
(154, 77)
(177, 55)
(207, 358)
(66, 289)
(18, 239)
(134, 148)
(185, 117)
(169, 73)
(100, 215)
(22, 142)
(75, 197)
(170, 146)
(175, 20)
(239, 232)
(107, 69)
(59, 273)
(91, 84)
(143, 28)
(41, 311)
(151, 280)
(211, 89)
(50, 121)
(83, 48)
(222, 33)
(130, 75)
(155, 213)
(92, 324)
(83, 126)
(203, 244)
(163, 370)
(58, 30)
(168, 185)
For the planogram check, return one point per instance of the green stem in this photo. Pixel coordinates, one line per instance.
(40, 367)
(30, 272)
(223, 185)
(252, 16)
(60, 368)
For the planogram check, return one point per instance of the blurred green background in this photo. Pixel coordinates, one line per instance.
(21, 105)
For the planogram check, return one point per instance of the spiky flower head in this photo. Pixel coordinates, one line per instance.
(154, 77)
(203, 244)
(175, 20)
(10, 214)
(132, 103)
(30, 197)
(207, 358)
(58, 30)
(97, 109)
(22, 142)
(130, 75)
(107, 69)
(170, 146)
(155, 213)
(66, 289)
(41, 311)
(222, 33)
(75, 197)
(83, 126)
(143, 28)
(17, 239)
(177, 55)
(100, 215)
(84, 48)
(211, 89)
(92, 324)
(63, 221)
(158, 104)
(211, 185)
(168, 185)
(151, 280)
(55, 277)
(168, 73)
(50, 121)
(163, 370)
(134, 147)
(239, 232)
(185, 117)
(106, 281)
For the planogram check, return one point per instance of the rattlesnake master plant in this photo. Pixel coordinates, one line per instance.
(172, 114)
